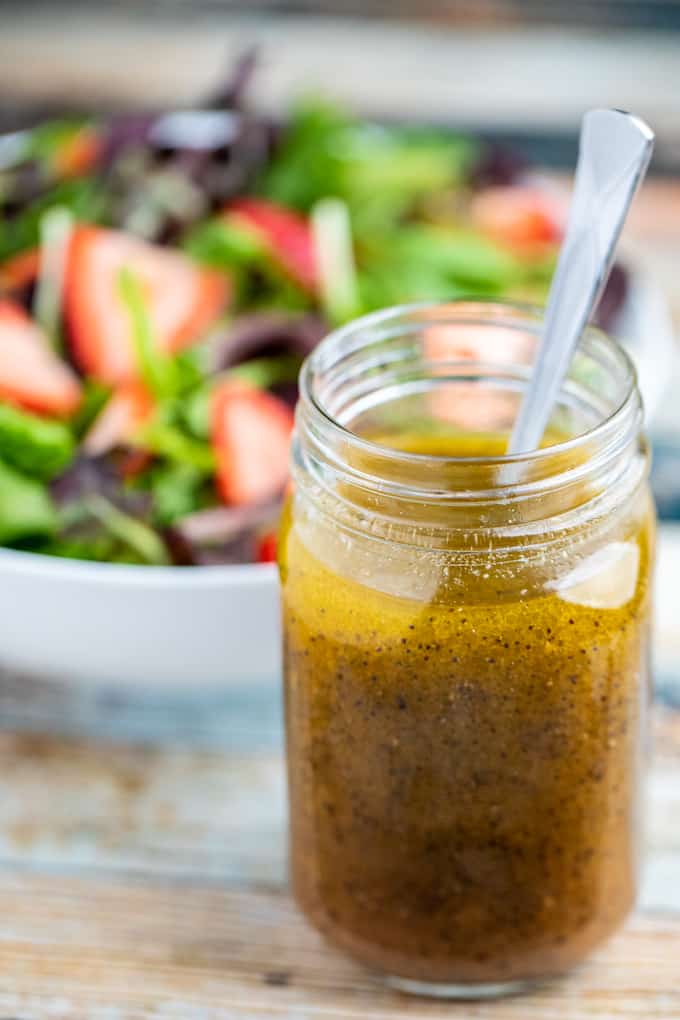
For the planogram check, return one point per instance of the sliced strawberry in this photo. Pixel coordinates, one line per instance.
(183, 300)
(522, 218)
(266, 548)
(123, 413)
(459, 341)
(31, 374)
(20, 270)
(286, 236)
(251, 436)
(471, 405)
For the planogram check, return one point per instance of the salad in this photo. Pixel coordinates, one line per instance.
(162, 277)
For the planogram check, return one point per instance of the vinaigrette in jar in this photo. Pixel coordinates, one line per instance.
(466, 650)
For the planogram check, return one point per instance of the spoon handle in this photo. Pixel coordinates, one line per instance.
(614, 152)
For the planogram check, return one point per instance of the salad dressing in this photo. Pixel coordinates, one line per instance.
(466, 672)
(464, 765)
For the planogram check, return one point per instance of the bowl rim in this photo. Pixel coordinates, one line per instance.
(135, 575)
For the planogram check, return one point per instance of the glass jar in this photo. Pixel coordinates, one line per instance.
(466, 645)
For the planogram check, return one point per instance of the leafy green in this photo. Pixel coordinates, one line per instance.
(379, 172)
(273, 291)
(196, 410)
(86, 199)
(95, 395)
(101, 547)
(93, 528)
(138, 536)
(169, 441)
(177, 489)
(267, 372)
(422, 262)
(463, 256)
(387, 173)
(158, 370)
(309, 162)
(37, 446)
(191, 366)
(223, 245)
(26, 509)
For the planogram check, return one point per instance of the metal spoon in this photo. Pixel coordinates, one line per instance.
(614, 152)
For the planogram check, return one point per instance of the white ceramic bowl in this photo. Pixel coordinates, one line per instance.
(147, 626)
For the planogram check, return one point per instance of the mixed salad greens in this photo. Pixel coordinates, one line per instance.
(162, 277)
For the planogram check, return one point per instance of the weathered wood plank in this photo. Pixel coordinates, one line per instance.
(146, 879)
(70, 804)
(74, 948)
(234, 717)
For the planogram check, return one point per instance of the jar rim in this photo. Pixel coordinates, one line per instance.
(476, 307)
(366, 374)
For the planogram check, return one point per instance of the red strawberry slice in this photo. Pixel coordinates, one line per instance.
(285, 234)
(31, 374)
(474, 406)
(266, 548)
(251, 436)
(125, 410)
(183, 300)
(522, 218)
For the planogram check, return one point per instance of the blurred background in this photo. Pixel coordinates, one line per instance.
(518, 68)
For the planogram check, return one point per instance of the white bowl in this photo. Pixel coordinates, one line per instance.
(110, 623)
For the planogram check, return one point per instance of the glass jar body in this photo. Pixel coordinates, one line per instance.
(465, 727)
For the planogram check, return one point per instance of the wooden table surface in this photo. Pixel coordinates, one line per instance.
(142, 874)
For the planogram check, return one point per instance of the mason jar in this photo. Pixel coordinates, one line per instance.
(466, 649)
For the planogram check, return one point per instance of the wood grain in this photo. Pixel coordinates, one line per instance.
(191, 950)
(147, 880)
(79, 804)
